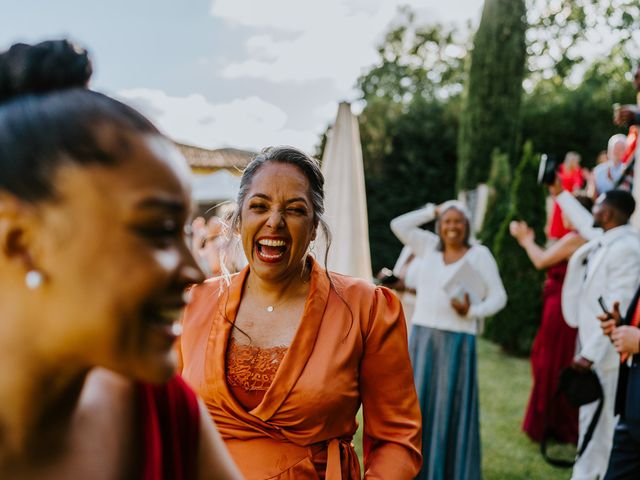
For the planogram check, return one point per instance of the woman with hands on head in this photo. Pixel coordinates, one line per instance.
(284, 353)
(93, 265)
(554, 346)
(442, 343)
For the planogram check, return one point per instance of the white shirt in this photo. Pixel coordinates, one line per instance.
(606, 175)
(609, 267)
(433, 305)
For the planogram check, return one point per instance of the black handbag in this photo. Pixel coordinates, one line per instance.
(580, 387)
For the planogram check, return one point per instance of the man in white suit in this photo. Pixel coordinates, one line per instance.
(608, 266)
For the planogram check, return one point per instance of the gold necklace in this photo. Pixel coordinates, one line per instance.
(271, 308)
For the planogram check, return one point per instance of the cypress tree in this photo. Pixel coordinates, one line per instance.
(490, 117)
(515, 326)
(498, 204)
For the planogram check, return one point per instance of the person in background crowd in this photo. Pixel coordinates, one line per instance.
(93, 265)
(442, 342)
(406, 269)
(629, 114)
(602, 157)
(216, 254)
(606, 175)
(572, 178)
(285, 353)
(608, 266)
(624, 463)
(555, 342)
(402, 281)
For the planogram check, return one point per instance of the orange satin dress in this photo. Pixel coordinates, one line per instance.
(349, 350)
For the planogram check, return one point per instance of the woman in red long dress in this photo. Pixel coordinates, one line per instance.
(554, 346)
(572, 177)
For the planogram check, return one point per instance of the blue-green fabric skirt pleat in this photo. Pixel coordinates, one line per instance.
(445, 373)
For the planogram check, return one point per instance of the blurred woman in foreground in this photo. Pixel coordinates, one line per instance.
(442, 344)
(93, 265)
(285, 353)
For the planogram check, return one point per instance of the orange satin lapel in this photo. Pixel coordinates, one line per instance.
(350, 347)
(301, 347)
(215, 368)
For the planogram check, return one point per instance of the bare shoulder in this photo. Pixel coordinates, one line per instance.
(572, 240)
(106, 389)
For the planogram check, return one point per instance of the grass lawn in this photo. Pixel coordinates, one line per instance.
(507, 453)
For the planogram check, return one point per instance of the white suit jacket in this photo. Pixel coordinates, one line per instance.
(607, 266)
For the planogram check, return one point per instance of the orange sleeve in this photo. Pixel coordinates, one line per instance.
(179, 363)
(392, 420)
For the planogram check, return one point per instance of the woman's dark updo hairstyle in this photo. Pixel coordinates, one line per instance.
(47, 66)
(49, 118)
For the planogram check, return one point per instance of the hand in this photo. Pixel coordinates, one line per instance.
(461, 307)
(521, 232)
(555, 188)
(610, 321)
(581, 364)
(398, 285)
(625, 115)
(626, 339)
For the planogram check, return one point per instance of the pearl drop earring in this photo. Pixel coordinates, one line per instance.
(33, 279)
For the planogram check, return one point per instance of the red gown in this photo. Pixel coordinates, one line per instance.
(170, 424)
(553, 349)
(571, 181)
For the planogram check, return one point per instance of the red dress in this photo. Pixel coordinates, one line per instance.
(553, 349)
(170, 424)
(571, 181)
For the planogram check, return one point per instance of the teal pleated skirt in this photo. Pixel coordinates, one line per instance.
(445, 373)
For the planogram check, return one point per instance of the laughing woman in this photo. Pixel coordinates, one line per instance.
(442, 342)
(285, 353)
(93, 264)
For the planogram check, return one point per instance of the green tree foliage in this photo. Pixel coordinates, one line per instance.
(499, 184)
(416, 60)
(412, 101)
(409, 125)
(491, 109)
(515, 326)
(562, 33)
(558, 117)
(419, 167)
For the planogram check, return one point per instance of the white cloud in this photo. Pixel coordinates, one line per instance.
(326, 113)
(288, 15)
(329, 39)
(248, 122)
(286, 41)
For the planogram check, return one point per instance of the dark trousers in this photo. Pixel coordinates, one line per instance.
(624, 463)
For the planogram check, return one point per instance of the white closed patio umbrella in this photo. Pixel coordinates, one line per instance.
(345, 199)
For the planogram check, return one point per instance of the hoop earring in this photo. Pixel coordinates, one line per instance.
(33, 279)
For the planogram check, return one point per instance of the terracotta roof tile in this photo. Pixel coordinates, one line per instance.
(198, 157)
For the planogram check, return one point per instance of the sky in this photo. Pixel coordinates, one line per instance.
(227, 73)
